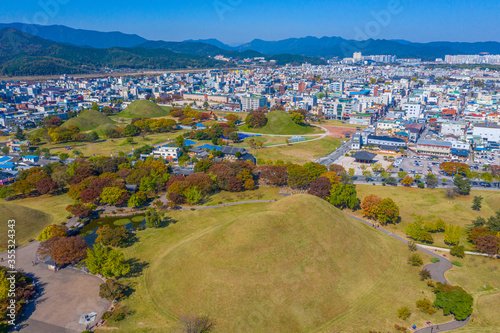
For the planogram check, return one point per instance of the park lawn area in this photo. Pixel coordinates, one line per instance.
(32, 215)
(433, 204)
(301, 152)
(262, 193)
(287, 260)
(5, 137)
(267, 140)
(337, 123)
(479, 276)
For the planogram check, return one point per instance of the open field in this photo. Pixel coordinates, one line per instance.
(287, 266)
(339, 132)
(432, 204)
(112, 146)
(32, 215)
(299, 152)
(480, 276)
(337, 123)
(262, 193)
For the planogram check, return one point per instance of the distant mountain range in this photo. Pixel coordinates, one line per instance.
(27, 49)
(25, 54)
(325, 47)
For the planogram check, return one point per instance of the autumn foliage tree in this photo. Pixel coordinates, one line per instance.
(370, 206)
(453, 168)
(46, 186)
(488, 244)
(320, 187)
(275, 175)
(64, 250)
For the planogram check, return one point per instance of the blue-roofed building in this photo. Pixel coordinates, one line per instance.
(7, 166)
(209, 147)
(4, 159)
(31, 158)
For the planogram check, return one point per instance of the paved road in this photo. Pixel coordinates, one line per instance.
(436, 270)
(62, 297)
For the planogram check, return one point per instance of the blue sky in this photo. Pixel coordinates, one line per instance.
(238, 21)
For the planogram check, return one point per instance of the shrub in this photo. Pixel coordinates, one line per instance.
(196, 324)
(434, 260)
(421, 185)
(404, 312)
(457, 263)
(106, 315)
(111, 290)
(415, 260)
(119, 313)
(457, 251)
(425, 274)
(426, 306)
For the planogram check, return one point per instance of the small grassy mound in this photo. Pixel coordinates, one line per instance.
(89, 120)
(279, 122)
(143, 109)
(29, 222)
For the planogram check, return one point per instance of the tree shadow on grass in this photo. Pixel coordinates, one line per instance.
(136, 267)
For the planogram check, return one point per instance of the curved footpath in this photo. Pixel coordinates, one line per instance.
(436, 270)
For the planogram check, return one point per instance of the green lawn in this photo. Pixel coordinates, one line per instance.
(432, 204)
(299, 152)
(292, 266)
(32, 215)
(480, 276)
(262, 193)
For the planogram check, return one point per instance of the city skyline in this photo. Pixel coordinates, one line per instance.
(236, 22)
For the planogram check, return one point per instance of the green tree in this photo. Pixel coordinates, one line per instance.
(431, 180)
(5, 150)
(344, 196)
(457, 251)
(388, 211)
(154, 219)
(93, 136)
(476, 203)
(455, 301)
(179, 141)
(20, 134)
(111, 195)
(106, 261)
(112, 290)
(452, 234)
(462, 184)
(193, 195)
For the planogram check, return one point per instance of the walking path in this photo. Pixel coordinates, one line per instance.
(436, 270)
